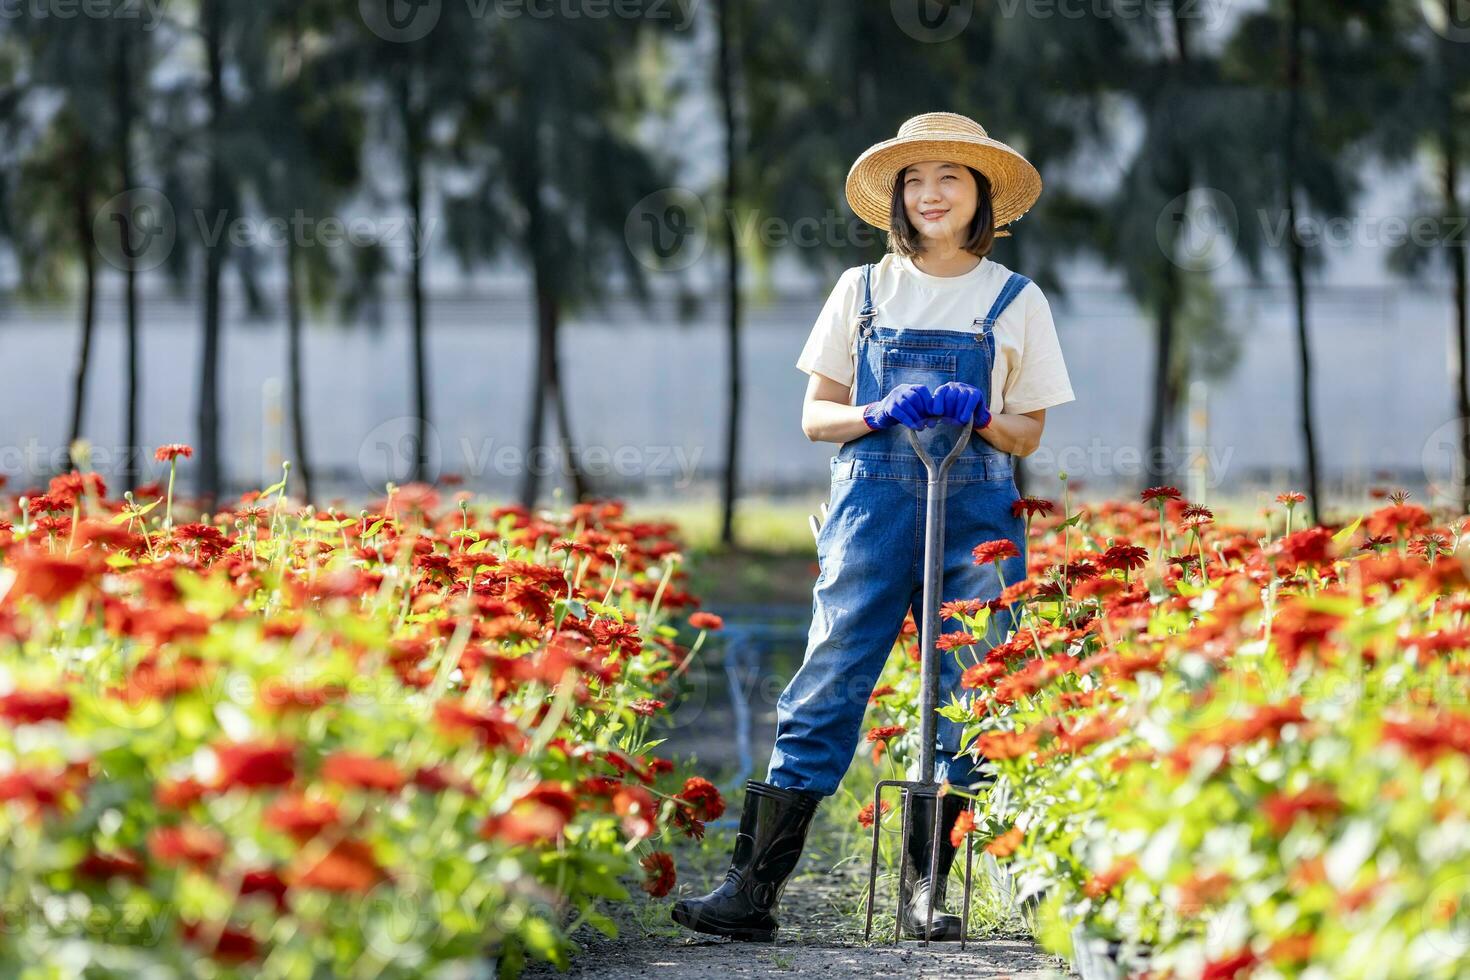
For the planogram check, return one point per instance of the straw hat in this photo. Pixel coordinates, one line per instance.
(1014, 183)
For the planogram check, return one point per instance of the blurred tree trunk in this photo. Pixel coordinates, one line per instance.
(82, 177)
(1299, 258)
(413, 168)
(548, 382)
(214, 258)
(123, 80)
(1455, 243)
(1165, 397)
(727, 86)
(302, 458)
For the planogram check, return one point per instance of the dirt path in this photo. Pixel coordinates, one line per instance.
(818, 937)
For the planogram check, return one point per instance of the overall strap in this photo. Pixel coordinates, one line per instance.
(867, 290)
(1008, 292)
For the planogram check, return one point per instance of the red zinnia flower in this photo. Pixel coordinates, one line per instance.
(362, 772)
(116, 864)
(172, 451)
(179, 794)
(231, 945)
(880, 735)
(957, 638)
(489, 724)
(646, 707)
(704, 797)
(660, 868)
(1155, 493)
(1282, 809)
(706, 621)
(1230, 967)
(32, 707)
(50, 578)
(865, 815)
(638, 808)
(301, 818)
(538, 816)
(963, 824)
(254, 764)
(186, 844)
(1032, 505)
(264, 881)
(994, 551)
(1123, 557)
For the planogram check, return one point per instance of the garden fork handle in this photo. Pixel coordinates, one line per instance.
(933, 588)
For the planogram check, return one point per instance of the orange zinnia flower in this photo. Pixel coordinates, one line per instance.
(1005, 845)
(348, 867)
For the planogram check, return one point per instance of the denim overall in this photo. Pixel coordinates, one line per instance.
(870, 552)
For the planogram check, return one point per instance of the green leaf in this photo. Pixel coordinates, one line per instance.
(602, 924)
(373, 528)
(127, 513)
(479, 546)
(1341, 536)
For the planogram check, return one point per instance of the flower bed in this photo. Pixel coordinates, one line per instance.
(1243, 754)
(308, 743)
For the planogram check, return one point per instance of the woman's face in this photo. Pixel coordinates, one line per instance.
(940, 199)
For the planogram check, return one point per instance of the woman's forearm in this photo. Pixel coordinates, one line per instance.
(1015, 434)
(828, 421)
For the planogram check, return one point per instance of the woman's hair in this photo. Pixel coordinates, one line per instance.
(905, 239)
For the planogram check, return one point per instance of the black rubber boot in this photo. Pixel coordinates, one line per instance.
(945, 927)
(773, 828)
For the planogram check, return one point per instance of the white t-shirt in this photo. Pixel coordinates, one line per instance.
(1029, 372)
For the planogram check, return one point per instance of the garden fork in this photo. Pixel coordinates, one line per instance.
(928, 705)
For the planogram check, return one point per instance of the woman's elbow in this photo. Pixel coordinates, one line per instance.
(1027, 445)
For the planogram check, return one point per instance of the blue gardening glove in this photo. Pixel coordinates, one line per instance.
(906, 404)
(959, 403)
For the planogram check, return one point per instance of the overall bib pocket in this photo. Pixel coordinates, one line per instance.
(931, 369)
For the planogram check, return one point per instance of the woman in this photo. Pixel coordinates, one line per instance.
(934, 332)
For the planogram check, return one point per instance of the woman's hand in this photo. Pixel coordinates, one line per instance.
(959, 403)
(907, 404)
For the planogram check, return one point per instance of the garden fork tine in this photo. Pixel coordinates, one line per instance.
(928, 700)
